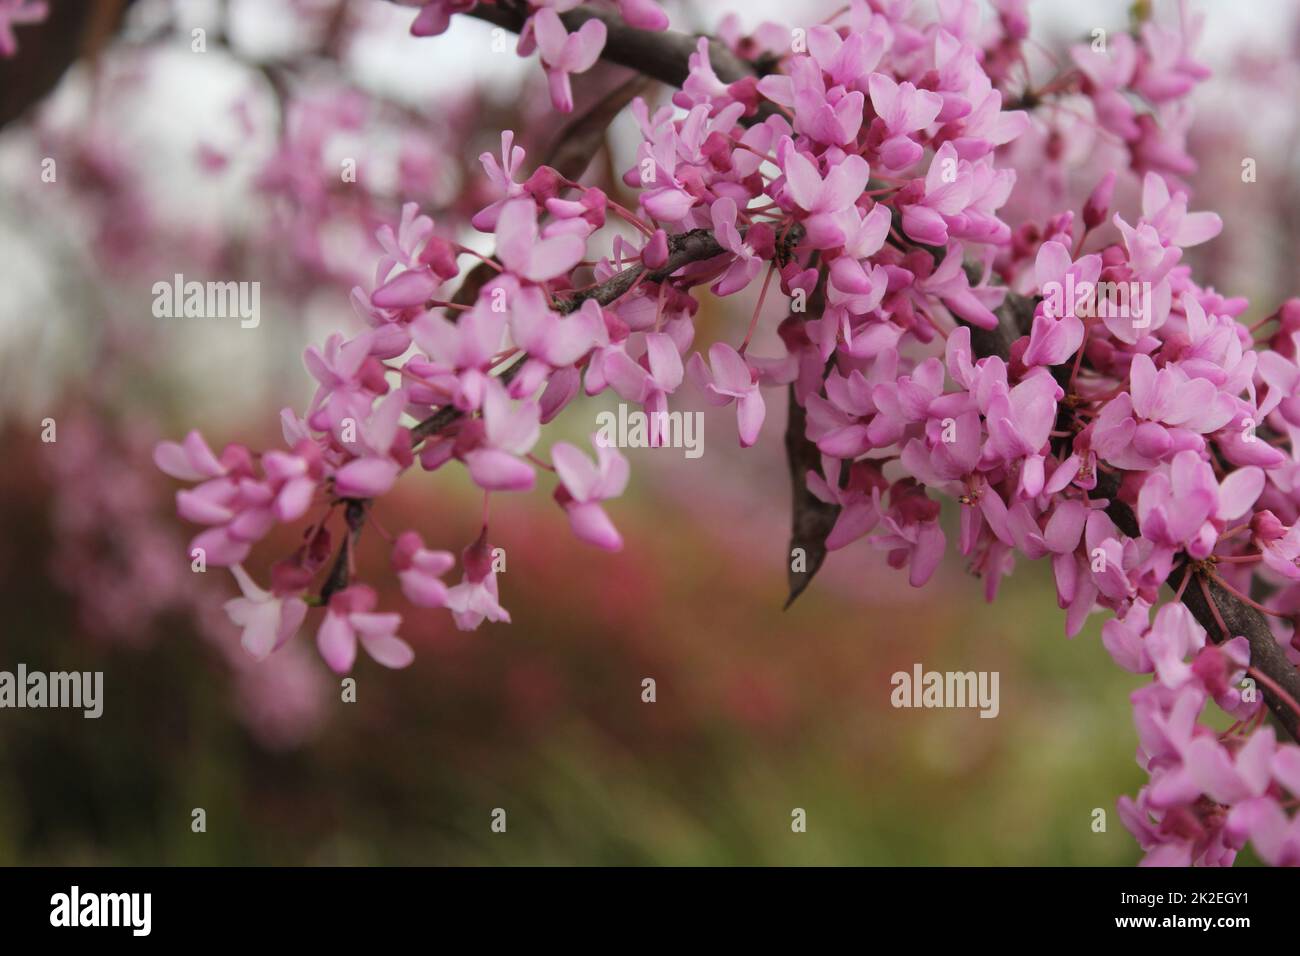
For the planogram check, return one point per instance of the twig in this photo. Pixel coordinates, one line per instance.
(697, 245)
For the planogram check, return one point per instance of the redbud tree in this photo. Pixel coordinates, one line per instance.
(1066, 383)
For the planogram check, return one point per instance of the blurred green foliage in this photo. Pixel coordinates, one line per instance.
(757, 713)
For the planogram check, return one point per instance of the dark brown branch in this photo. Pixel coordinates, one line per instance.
(812, 519)
(697, 245)
(663, 55)
(1266, 655)
(46, 50)
(575, 146)
(355, 516)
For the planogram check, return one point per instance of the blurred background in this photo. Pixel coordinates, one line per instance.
(225, 163)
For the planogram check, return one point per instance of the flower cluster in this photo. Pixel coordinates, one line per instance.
(114, 556)
(1130, 430)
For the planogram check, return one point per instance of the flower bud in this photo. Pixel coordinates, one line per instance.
(1098, 204)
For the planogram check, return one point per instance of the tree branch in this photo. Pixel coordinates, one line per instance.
(665, 57)
(46, 50)
(1266, 655)
(811, 519)
(697, 245)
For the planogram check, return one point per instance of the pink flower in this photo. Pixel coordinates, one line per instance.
(584, 485)
(1168, 215)
(475, 599)
(838, 423)
(561, 389)
(579, 216)
(1279, 545)
(1098, 203)
(702, 85)
(564, 53)
(832, 116)
(864, 234)
(374, 470)
(191, 460)
(664, 196)
(406, 289)
(1019, 425)
(509, 431)
(435, 15)
(294, 476)
(1168, 72)
(858, 500)
(268, 621)
(1274, 835)
(1174, 637)
(857, 289)
(550, 339)
(1179, 836)
(350, 380)
(914, 535)
(951, 286)
(824, 199)
(422, 262)
(1123, 636)
(420, 570)
(239, 508)
(403, 247)
(1175, 510)
(473, 340)
(949, 455)
(905, 401)
(650, 383)
(528, 256)
(1165, 412)
(903, 109)
(986, 127)
(948, 189)
(750, 251)
(350, 616)
(1204, 765)
(643, 14)
(731, 379)
(1108, 74)
(502, 176)
(1068, 289)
